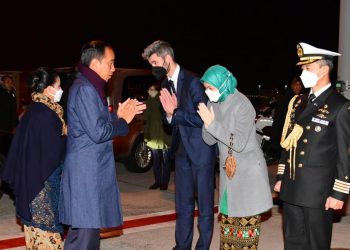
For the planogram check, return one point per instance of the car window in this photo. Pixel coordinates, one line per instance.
(263, 105)
(136, 86)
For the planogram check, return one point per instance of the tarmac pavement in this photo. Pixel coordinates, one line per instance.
(149, 219)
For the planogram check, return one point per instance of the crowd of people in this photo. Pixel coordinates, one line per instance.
(61, 166)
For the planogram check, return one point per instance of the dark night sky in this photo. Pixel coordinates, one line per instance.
(254, 39)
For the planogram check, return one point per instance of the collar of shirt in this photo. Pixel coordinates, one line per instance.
(320, 91)
(175, 76)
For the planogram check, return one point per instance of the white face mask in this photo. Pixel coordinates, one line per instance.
(152, 93)
(308, 78)
(213, 95)
(58, 95)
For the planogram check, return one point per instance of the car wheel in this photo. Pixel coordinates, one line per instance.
(140, 157)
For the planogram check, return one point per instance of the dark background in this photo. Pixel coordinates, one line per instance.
(256, 40)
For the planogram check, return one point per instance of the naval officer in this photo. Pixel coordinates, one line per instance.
(314, 171)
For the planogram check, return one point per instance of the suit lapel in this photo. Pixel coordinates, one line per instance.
(180, 81)
(315, 105)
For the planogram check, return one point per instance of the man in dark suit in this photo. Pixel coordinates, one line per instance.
(8, 106)
(194, 159)
(314, 176)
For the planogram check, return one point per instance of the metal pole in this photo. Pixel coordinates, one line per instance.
(344, 46)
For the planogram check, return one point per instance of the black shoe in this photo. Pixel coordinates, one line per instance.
(154, 186)
(164, 187)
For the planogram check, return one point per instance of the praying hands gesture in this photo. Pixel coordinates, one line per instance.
(169, 102)
(128, 109)
(206, 115)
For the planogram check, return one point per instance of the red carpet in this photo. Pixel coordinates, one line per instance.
(105, 233)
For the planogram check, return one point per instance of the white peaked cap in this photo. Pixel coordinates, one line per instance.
(309, 54)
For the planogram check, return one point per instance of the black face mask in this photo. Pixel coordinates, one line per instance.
(159, 72)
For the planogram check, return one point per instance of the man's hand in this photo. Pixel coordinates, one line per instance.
(207, 115)
(169, 101)
(333, 203)
(277, 187)
(128, 109)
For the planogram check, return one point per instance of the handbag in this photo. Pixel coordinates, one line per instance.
(230, 163)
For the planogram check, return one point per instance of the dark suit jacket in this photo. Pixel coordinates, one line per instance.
(187, 124)
(322, 160)
(8, 110)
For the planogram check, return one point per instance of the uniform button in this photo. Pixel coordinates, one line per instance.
(288, 161)
(318, 129)
(302, 152)
(300, 165)
(305, 140)
(308, 127)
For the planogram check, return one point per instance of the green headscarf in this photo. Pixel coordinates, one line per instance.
(222, 79)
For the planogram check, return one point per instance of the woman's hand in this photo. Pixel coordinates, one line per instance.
(208, 116)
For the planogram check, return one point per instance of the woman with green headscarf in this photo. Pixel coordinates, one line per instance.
(229, 121)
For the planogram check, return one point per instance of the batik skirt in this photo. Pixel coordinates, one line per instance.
(239, 233)
(44, 232)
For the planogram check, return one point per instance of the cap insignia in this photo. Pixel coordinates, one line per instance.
(300, 51)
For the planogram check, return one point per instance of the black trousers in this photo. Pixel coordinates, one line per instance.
(307, 228)
(82, 239)
(161, 166)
